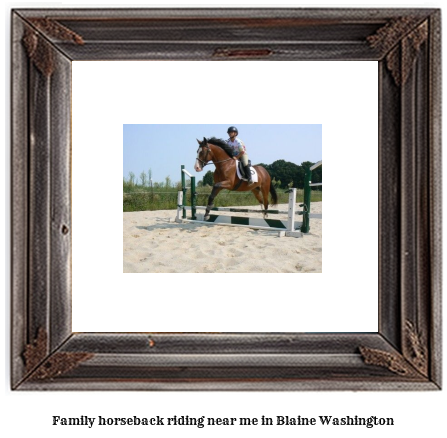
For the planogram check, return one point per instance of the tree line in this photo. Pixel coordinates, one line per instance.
(284, 174)
(144, 181)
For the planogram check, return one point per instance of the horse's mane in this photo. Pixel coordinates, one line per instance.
(222, 144)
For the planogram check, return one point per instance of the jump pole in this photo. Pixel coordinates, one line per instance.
(288, 228)
(307, 193)
(180, 200)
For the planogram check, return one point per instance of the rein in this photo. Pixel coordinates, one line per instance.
(205, 163)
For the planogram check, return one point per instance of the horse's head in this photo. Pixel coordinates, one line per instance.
(204, 155)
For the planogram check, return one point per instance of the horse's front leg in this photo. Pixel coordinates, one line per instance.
(216, 189)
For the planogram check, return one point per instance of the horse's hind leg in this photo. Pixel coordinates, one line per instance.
(265, 194)
(259, 196)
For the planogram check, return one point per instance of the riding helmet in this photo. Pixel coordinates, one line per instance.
(232, 129)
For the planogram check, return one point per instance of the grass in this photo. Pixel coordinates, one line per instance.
(166, 199)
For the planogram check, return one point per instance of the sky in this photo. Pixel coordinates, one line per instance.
(164, 148)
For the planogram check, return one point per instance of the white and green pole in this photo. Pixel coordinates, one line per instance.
(183, 189)
(193, 192)
(193, 198)
(306, 204)
(307, 194)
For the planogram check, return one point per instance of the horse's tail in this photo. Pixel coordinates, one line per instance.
(273, 194)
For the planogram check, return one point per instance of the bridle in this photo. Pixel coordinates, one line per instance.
(205, 162)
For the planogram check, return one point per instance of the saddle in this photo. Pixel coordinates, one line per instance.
(241, 171)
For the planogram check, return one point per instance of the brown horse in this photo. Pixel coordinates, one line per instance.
(225, 176)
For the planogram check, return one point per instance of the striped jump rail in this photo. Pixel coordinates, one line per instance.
(289, 227)
(248, 210)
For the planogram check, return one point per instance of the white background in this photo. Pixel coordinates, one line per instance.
(343, 298)
(416, 414)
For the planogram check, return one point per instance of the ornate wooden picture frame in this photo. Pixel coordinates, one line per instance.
(405, 353)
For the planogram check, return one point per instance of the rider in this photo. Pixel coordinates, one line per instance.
(239, 151)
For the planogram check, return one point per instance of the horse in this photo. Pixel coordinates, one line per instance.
(225, 175)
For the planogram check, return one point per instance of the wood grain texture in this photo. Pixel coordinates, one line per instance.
(60, 201)
(389, 210)
(39, 144)
(405, 354)
(435, 195)
(19, 196)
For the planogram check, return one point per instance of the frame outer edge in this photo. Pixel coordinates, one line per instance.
(24, 187)
(349, 13)
(435, 136)
(19, 199)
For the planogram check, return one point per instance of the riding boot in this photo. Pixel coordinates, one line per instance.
(248, 174)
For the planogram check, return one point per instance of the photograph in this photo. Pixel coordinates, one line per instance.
(259, 210)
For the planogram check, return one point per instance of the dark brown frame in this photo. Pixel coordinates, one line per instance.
(405, 354)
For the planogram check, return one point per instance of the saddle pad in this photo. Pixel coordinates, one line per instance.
(254, 174)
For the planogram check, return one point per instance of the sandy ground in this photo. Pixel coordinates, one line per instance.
(153, 242)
